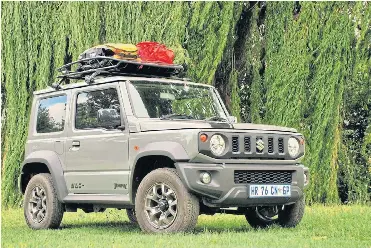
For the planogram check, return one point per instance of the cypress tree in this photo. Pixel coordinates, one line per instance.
(302, 65)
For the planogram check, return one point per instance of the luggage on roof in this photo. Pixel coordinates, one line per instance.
(146, 59)
(111, 50)
(147, 51)
(155, 52)
(114, 50)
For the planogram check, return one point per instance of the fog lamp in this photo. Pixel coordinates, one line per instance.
(205, 177)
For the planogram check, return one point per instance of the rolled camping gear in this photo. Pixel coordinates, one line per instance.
(114, 50)
(147, 51)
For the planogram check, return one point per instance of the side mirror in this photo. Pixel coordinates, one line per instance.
(122, 127)
(232, 119)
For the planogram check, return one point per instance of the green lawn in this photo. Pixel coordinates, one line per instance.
(338, 226)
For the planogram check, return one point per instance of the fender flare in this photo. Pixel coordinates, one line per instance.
(52, 161)
(170, 149)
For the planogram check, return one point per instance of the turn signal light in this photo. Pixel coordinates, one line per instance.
(203, 137)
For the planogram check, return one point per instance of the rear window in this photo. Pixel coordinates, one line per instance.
(51, 114)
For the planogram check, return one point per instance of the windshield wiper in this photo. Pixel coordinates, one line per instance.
(216, 118)
(176, 116)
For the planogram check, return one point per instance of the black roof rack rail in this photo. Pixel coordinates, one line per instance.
(88, 69)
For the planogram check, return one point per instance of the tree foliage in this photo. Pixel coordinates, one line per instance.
(305, 65)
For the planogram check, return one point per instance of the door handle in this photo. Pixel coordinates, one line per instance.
(75, 143)
(75, 146)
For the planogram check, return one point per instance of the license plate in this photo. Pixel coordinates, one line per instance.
(264, 190)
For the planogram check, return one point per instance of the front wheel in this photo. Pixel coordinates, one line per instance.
(164, 205)
(285, 216)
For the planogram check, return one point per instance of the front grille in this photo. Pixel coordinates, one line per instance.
(280, 146)
(235, 146)
(247, 144)
(262, 177)
(258, 146)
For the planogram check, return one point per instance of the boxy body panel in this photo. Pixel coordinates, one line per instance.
(97, 165)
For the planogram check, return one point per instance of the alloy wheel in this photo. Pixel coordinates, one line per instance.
(161, 205)
(37, 204)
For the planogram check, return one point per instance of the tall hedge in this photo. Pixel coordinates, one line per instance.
(305, 65)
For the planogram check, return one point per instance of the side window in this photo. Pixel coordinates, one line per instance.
(98, 109)
(51, 114)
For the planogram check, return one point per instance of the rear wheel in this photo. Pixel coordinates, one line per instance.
(42, 208)
(285, 216)
(262, 217)
(163, 204)
(291, 215)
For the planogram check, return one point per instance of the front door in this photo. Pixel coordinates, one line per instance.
(97, 144)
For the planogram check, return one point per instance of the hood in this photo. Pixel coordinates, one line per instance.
(250, 126)
(158, 125)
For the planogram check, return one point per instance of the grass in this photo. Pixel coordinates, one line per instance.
(337, 226)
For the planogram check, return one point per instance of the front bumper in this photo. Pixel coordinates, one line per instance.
(224, 192)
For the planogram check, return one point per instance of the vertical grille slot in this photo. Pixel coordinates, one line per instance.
(270, 145)
(235, 146)
(247, 144)
(280, 146)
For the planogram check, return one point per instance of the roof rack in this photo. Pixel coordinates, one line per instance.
(89, 68)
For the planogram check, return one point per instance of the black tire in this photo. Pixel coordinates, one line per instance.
(188, 206)
(131, 216)
(291, 215)
(54, 210)
(256, 221)
(288, 216)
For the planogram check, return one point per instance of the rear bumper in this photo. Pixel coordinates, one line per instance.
(224, 192)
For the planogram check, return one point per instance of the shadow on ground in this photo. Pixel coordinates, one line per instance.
(108, 225)
(129, 227)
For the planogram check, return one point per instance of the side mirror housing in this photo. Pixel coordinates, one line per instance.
(232, 119)
(122, 127)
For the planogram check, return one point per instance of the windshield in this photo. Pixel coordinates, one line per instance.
(175, 101)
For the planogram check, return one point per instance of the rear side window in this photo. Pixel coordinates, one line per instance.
(51, 114)
(98, 109)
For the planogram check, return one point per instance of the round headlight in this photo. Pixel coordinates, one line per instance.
(217, 144)
(293, 147)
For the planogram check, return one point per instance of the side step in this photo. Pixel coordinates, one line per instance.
(98, 199)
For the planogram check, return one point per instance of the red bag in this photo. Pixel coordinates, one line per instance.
(155, 52)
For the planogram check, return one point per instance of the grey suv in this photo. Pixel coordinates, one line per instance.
(164, 149)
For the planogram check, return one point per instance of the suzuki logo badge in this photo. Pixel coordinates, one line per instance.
(260, 145)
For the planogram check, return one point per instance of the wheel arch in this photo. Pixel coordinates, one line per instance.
(43, 162)
(154, 155)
